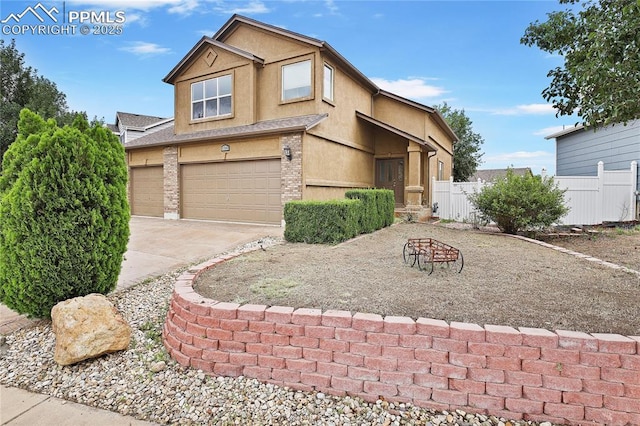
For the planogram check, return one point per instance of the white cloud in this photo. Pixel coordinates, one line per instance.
(185, 7)
(529, 109)
(517, 156)
(142, 48)
(252, 7)
(536, 160)
(331, 5)
(128, 4)
(413, 88)
(549, 130)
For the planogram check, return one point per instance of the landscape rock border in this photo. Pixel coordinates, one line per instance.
(533, 374)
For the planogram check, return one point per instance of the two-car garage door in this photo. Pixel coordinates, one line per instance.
(243, 191)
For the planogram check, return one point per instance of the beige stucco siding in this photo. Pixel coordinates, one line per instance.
(401, 116)
(243, 149)
(145, 157)
(330, 168)
(243, 75)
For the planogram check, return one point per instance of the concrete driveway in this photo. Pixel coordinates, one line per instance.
(157, 246)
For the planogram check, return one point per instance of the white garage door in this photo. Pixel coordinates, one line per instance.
(238, 191)
(147, 191)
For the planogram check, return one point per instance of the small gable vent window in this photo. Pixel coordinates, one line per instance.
(211, 98)
(296, 80)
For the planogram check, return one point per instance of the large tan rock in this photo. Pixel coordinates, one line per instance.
(87, 327)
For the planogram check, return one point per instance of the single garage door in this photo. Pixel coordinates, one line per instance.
(147, 191)
(242, 191)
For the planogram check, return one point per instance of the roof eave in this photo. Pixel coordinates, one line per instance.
(396, 131)
(170, 78)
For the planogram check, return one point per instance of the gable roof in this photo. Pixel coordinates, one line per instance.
(129, 120)
(236, 20)
(170, 78)
(168, 137)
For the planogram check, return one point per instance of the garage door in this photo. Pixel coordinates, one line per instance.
(147, 191)
(242, 191)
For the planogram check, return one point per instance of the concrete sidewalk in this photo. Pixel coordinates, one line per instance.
(156, 246)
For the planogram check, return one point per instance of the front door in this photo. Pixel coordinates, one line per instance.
(390, 175)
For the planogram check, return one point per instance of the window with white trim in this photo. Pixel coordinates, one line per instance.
(296, 80)
(440, 170)
(211, 98)
(327, 86)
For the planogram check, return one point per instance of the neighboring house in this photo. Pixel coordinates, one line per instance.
(579, 149)
(489, 175)
(129, 127)
(264, 115)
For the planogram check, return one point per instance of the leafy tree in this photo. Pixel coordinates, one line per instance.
(21, 87)
(516, 203)
(466, 152)
(65, 215)
(600, 79)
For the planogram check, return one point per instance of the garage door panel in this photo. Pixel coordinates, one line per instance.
(147, 191)
(232, 191)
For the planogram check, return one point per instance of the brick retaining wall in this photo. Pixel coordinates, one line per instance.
(532, 374)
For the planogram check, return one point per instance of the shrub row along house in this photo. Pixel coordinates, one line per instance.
(264, 115)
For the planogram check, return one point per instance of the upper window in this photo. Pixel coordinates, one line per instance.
(327, 87)
(211, 98)
(296, 80)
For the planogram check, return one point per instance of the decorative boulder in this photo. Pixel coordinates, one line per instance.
(87, 327)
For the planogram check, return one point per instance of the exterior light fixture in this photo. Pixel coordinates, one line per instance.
(225, 148)
(287, 152)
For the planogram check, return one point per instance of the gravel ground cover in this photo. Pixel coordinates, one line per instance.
(505, 281)
(145, 383)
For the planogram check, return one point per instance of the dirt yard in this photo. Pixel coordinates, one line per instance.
(504, 281)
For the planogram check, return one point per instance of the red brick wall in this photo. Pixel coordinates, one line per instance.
(532, 374)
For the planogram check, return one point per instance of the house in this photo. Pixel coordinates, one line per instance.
(264, 115)
(579, 149)
(130, 126)
(489, 175)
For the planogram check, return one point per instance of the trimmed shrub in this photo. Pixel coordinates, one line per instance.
(319, 222)
(65, 214)
(518, 203)
(378, 208)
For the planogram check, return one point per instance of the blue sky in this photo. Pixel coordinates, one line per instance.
(467, 53)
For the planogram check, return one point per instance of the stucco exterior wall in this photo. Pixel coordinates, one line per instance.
(330, 168)
(145, 157)
(239, 149)
(399, 115)
(243, 74)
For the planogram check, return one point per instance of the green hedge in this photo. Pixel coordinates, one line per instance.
(364, 211)
(319, 222)
(378, 209)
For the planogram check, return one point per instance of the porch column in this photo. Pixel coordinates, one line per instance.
(414, 181)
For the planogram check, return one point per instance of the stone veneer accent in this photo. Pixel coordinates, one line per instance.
(527, 373)
(291, 170)
(171, 183)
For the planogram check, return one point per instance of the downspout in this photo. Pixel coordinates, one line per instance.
(429, 180)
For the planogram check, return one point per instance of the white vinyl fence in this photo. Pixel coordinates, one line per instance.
(608, 197)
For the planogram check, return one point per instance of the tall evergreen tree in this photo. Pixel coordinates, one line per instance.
(22, 87)
(65, 215)
(467, 154)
